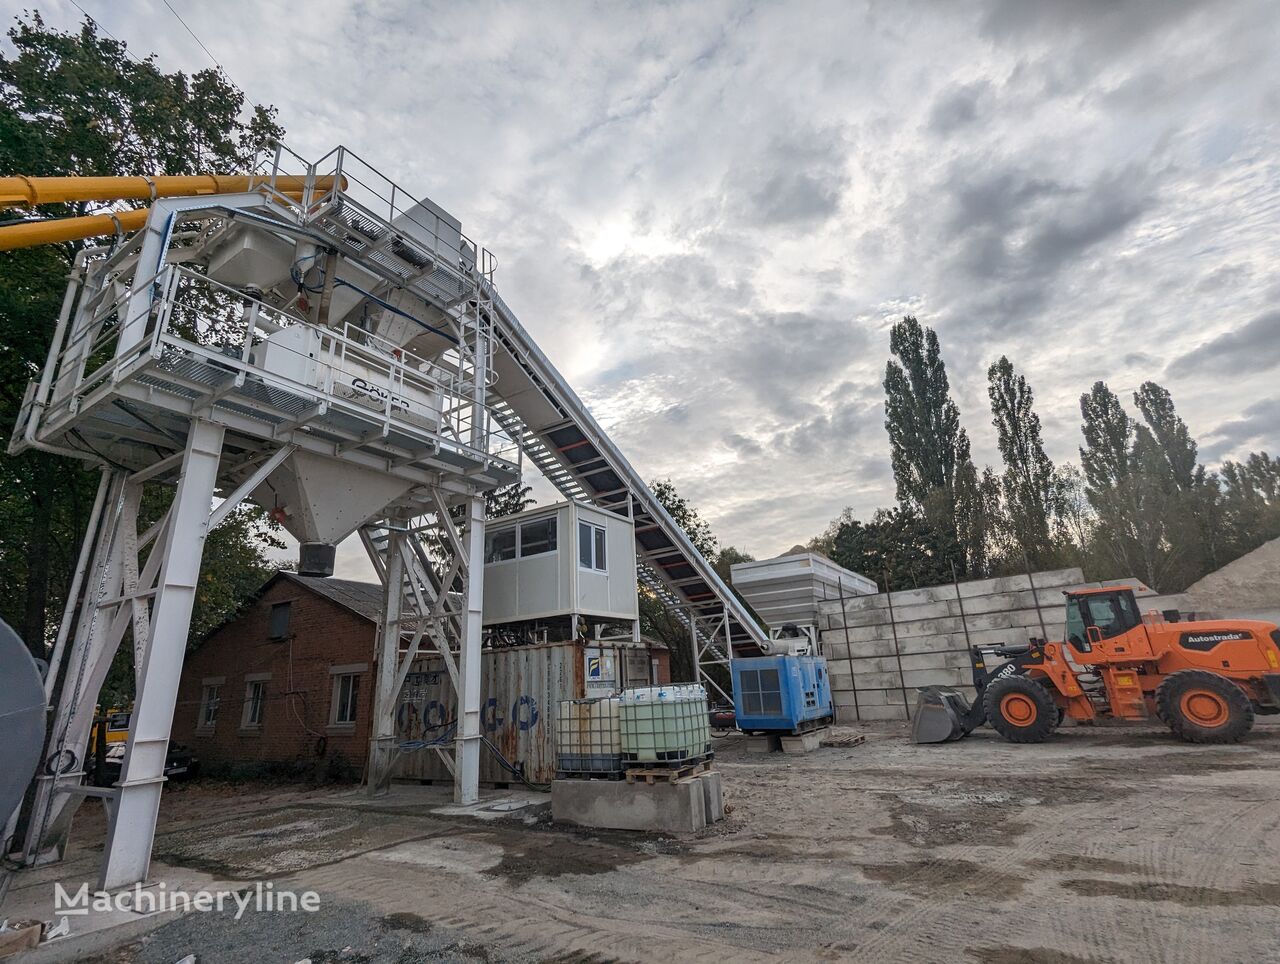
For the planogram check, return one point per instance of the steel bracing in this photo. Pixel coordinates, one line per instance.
(327, 347)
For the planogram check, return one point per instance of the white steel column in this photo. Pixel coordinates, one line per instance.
(382, 737)
(133, 820)
(466, 784)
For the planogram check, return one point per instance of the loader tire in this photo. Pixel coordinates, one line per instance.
(1203, 707)
(1020, 710)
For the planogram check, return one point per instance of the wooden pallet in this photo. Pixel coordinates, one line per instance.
(588, 774)
(844, 741)
(651, 775)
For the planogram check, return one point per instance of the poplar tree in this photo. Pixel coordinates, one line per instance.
(932, 467)
(1030, 485)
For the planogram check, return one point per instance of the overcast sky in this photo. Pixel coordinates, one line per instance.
(709, 214)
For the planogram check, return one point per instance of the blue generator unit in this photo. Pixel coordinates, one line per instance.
(781, 694)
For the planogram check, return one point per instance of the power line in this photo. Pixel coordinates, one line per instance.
(196, 39)
(107, 32)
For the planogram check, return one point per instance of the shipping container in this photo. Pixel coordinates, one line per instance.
(520, 688)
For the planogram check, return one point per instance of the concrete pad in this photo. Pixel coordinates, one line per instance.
(762, 744)
(805, 742)
(668, 807)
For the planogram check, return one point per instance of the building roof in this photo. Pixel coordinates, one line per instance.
(362, 598)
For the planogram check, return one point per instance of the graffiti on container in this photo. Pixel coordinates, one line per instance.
(420, 718)
(417, 687)
(417, 721)
(524, 712)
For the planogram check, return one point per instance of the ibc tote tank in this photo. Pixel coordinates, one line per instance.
(665, 724)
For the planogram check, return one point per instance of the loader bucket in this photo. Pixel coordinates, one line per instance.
(940, 715)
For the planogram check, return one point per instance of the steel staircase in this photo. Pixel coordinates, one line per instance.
(535, 406)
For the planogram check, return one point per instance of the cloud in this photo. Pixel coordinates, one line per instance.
(1254, 347)
(1257, 428)
(708, 214)
(957, 107)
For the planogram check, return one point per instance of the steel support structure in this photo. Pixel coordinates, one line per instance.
(160, 643)
(428, 584)
(432, 571)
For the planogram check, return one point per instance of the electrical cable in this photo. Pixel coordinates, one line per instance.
(510, 767)
(299, 278)
(108, 33)
(197, 39)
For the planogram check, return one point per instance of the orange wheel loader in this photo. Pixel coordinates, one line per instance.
(1205, 680)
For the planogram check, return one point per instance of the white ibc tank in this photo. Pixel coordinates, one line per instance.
(665, 724)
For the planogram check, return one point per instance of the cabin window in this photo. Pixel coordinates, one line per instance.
(538, 537)
(500, 545)
(592, 547)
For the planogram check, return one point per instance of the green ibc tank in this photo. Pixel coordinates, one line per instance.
(664, 725)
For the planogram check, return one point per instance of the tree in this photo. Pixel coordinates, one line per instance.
(1195, 496)
(77, 103)
(1128, 483)
(508, 500)
(932, 467)
(656, 621)
(1032, 496)
(1250, 502)
(686, 517)
(898, 547)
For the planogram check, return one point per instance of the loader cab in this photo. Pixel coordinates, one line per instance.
(1099, 614)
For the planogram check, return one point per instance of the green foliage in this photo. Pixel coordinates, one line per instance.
(1250, 502)
(686, 517)
(655, 621)
(932, 465)
(1030, 486)
(927, 444)
(898, 548)
(1159, 513)
(508, 500)
(76, 103)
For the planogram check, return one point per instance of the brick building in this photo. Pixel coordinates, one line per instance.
(288, 685)
(288, 682)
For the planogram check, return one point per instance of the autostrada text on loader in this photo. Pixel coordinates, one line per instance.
(1205, 680)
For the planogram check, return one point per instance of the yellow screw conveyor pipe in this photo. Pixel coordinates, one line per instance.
(29, 234)
(30, 191)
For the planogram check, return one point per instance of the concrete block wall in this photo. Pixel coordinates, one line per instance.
(880, 648)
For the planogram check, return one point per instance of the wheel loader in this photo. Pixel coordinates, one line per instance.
(1205, 680)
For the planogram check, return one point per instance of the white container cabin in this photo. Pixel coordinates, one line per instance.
(560, 563)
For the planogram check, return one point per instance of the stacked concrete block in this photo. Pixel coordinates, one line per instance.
(880, 648)
(687, 805)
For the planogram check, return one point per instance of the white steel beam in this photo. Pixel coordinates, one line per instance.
(386, 694)
(466, 784)
(132, 823)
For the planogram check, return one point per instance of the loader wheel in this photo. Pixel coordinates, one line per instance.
(1020, 710)
(1203, 707)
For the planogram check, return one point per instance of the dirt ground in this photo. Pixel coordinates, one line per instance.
(1105, 845)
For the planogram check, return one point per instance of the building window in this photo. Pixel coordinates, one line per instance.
(538, 537)
(591, 547)
(209, 704)
(255, 698)
(279, 625)
(500, 545)
(346, 695)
